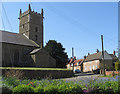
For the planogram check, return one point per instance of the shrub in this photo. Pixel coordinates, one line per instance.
(50, 89)
(117, 65)
(6, 90)
(12, 81)
(39, 90)
(110, 69)
(23, 89)
(69, 88)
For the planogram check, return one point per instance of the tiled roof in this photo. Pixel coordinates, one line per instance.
(94, 56)
(78, 61)
(71, 61)
(16, 38)
(113, 56)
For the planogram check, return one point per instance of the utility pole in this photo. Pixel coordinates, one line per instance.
(103, 56)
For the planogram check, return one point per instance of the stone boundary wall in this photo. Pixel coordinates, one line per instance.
(110, 72)
(39, 74)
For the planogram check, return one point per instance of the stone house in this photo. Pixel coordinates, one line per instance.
(26, 47)
(94, 61)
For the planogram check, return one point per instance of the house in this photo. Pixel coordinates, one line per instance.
(114, 58)
(94, 61)
(71, 64)
(25, 49)
(75, 64)
(78, 64)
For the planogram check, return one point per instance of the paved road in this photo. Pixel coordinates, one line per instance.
(82, 76)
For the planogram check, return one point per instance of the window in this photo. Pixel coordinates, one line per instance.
(96, 66)
(23, 26)
(36, 37)
(90, 68)
(72, 64)
(36, 29)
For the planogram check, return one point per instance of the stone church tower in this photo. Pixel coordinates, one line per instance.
(31, 25)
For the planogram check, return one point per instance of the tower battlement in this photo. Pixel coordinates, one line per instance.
(31, 25)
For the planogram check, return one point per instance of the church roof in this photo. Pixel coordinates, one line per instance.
(16, 38)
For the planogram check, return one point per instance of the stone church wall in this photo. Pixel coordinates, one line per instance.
(15, 55)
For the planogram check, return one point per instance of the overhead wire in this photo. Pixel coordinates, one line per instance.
(7, 45)
(78, 24)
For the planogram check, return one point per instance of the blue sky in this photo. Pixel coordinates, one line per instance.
(78, 25)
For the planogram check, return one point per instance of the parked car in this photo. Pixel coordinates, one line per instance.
(77, 71)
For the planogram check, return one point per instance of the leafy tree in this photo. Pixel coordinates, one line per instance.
(57, 51)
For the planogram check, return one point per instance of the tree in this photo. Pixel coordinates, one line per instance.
(57, 51)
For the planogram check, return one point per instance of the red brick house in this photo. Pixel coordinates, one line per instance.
(71, 63)
(75, 64)
(78, 64)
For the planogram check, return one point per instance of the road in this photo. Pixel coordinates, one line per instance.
(81, 76)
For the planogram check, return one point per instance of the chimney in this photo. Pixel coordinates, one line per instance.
(114, 52)
(97, 51)
(29, 8)
(74, 57)
(72, 52)
(88, 53)
(84, 57)
(20, 12)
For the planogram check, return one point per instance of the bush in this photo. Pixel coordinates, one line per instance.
(110, 69)
(39, 90)
(51, 90)
(69, 88)
(11, 81)
(117, 65)
(23, 89)
(6, 90)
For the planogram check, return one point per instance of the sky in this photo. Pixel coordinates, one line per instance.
(73, 24)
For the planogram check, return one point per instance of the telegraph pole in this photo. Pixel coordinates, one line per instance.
(73, 57)
(103, 56)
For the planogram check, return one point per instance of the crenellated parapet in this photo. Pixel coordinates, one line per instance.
(29, 11)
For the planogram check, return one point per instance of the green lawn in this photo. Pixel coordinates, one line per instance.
(26, 68)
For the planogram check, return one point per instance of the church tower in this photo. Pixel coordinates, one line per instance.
(31, 25)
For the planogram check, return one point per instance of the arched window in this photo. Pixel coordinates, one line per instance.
(36, 37)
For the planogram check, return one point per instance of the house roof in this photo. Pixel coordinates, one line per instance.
(98, 56)
(78, 61)
(113, 56)
(94, 56)
(35, 51)
(16, 38)
(71, 61)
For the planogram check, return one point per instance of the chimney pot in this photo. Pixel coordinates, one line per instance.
(97, 51)
(88, 53)
(84, 57)
(74, 57)
(29, 7)
(114, 52)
